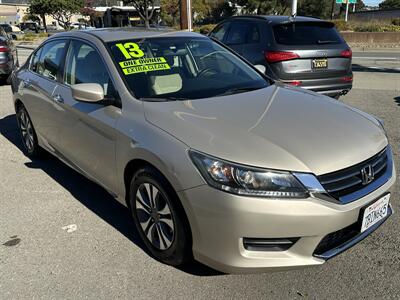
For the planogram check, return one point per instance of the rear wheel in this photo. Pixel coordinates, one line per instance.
(28, 133)
(159, 217)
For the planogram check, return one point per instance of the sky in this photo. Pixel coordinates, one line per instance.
(372, 2)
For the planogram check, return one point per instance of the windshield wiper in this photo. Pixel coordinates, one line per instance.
(326, 42)
(162, 99)
(239, 90)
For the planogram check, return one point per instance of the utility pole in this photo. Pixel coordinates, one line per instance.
(294, 8)
(186, 14)
(347, 10)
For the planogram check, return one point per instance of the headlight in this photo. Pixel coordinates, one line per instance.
(248, 181)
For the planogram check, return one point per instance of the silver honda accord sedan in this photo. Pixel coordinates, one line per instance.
(215, 161)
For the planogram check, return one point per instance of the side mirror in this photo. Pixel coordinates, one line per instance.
(88, 92)
(261, 68)
(13, 36)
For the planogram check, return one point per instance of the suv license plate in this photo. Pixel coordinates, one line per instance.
(375, 212)
(320, 63)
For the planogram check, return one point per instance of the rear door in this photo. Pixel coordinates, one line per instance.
(308, 50)
(38, 87)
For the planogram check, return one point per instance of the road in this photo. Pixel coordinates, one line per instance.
(103, 259)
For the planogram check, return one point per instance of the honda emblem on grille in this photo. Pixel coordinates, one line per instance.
(367, 174)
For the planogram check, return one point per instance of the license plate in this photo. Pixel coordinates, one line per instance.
(375, 212)
(320, 63)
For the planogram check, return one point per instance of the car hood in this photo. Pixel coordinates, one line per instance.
(277, 127)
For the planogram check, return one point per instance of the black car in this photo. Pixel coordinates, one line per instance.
(301, 51)
(8, 54)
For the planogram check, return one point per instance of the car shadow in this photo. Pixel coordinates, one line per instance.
(361, 68)
(85, 191)
(397, 100)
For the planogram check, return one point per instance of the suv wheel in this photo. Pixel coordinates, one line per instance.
(159, 217)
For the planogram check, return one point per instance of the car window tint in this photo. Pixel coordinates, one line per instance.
(306, 33)
(84, 65)
(237, 33)
(51, 58)
(35, 60)
(220, 32)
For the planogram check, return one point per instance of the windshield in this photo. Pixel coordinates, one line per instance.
(306, 33)
(169, 68)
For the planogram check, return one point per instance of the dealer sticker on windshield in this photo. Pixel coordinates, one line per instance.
(137, 63)
(375, 212)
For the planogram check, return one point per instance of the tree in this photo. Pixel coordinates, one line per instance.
(63, 10)
(211, 11)
(315, 8)
(89, 11)
(40, 8)
(265, 7)
(145, 9)
(389, 4)
(170, 12)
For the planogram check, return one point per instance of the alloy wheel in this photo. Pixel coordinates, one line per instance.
(154, 216)
(26, 130)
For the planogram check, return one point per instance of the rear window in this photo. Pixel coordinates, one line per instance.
(311, 33)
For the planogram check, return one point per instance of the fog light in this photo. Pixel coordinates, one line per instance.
(278, 244)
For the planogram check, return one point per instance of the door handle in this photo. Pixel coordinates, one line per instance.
(58, 99)
(27, 83)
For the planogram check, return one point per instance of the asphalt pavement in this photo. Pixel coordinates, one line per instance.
(64, 237)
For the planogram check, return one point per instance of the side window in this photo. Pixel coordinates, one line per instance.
(50, 59)
(237, 33)
(220, 31)
(84, 65)
(35, 60)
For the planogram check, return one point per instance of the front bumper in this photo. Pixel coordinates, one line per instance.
(219, 222)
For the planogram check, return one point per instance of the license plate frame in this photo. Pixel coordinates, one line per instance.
(319, 63)
(375, 212)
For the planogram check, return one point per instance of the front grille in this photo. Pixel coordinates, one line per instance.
(337, 238)
(349, 180)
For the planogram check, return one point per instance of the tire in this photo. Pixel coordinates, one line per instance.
(159, 217)
(28, 134)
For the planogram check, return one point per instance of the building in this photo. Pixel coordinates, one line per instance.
(121, 16)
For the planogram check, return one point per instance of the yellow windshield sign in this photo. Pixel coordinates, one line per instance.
(137, 63)
(145, 68)
(142, 61)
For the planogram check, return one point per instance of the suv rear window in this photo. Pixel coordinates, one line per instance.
(306, 33)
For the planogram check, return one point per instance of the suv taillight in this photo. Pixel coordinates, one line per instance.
(276, 56)
(346, 53)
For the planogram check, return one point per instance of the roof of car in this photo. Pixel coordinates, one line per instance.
(279, 19)
(125, 33)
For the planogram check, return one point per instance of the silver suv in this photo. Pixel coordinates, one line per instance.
(213, 160)
(301, 51)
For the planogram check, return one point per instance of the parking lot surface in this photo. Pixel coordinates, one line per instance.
(64, 237)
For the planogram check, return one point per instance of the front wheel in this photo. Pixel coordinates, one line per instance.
(159, 217)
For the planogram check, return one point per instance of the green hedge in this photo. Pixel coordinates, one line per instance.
(341, 25)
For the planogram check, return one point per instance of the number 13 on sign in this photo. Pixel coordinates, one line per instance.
(130, 50)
